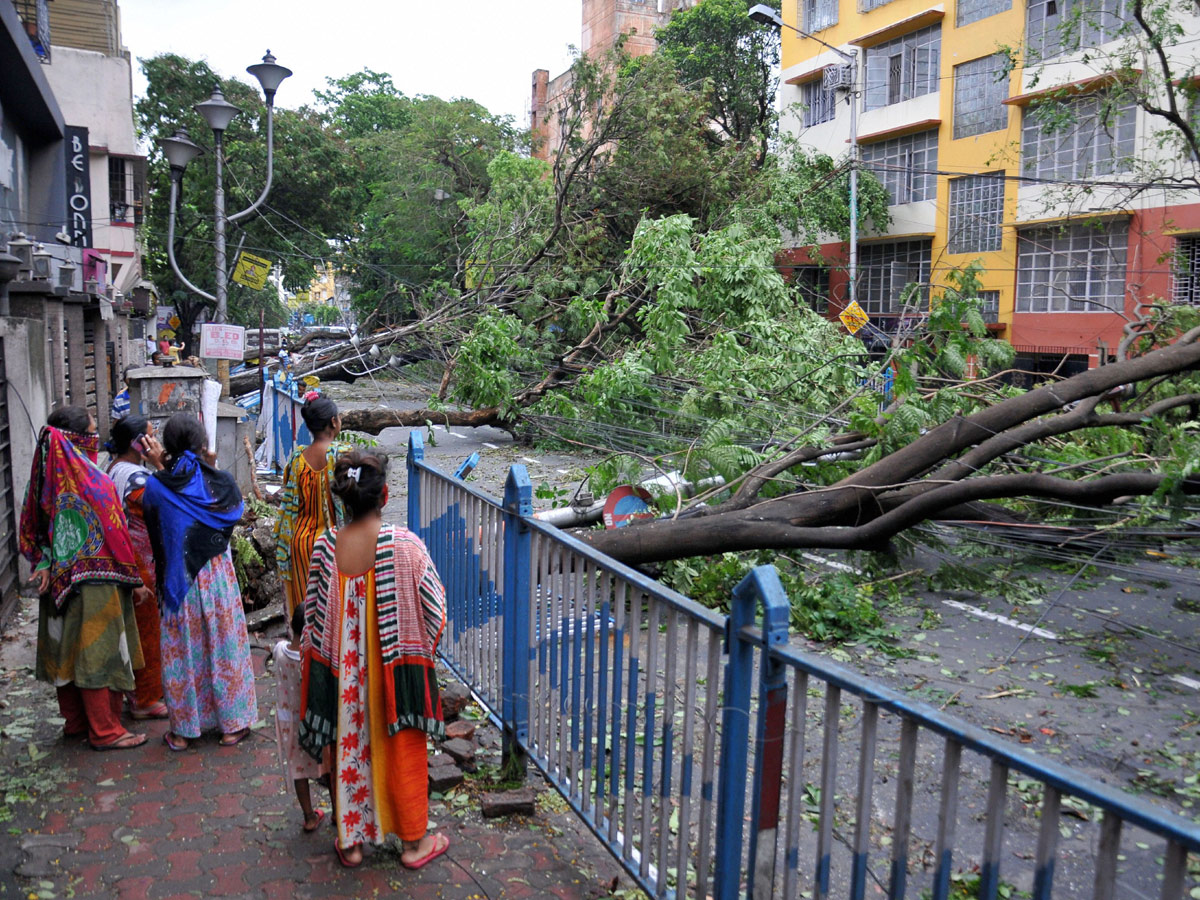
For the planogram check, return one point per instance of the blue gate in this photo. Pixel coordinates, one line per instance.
(640, 707)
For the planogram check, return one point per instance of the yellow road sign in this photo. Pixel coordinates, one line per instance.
(252, 271)
(853, 317)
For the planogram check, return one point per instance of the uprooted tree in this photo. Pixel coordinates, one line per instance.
(624, 299)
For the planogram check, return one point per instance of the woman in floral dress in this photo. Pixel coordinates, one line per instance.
(375, 612)
(190, 509)
(307, 506)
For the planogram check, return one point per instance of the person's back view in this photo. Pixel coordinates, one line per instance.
(375, 611)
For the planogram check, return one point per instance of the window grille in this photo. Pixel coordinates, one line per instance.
(907, 165)
(126, 186)
(868, 5)
(1185, 271)
(990, 306)
(1053, 27)
(885, 273)
(969, 11)
(1072, 268)
(976, 213)
(904, 67)
(812, 284)
(820, 105)
(980, 88)
(818, 14)
(1098, 139)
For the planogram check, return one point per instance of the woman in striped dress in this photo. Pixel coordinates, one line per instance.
(307, 505)
(375, 612)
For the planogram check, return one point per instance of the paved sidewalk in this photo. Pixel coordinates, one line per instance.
(214, 821)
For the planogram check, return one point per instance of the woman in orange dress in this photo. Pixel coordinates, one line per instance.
(307, 505)
(375, 612)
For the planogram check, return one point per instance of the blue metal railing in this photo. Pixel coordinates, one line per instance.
(639, 706)
(280, 421)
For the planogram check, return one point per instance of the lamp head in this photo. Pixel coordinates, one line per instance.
(9, 267)
(179, 150)
(22, 249)
(217, 111)
(41, 263)
(66, 274)
(269, 75)
(765, 15)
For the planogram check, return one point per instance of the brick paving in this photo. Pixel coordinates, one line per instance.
(220, 822)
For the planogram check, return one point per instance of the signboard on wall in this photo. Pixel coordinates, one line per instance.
(222, 342)
(79, 187)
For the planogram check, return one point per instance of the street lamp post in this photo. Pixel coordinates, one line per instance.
(765, 15)
(181, 150)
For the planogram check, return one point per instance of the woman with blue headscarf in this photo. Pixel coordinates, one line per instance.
(190, 509)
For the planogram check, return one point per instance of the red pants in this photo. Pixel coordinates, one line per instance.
(94, 710)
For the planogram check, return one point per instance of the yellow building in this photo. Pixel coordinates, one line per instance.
(973, 176)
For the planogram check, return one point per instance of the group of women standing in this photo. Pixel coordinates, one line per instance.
(173, 634)
(136, 587)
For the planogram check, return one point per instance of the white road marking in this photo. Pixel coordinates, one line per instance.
(831, 563)
(536, 462)
(1003, 620)
(563, 471)
(455, 434)
(1186, 682)
(490, 446)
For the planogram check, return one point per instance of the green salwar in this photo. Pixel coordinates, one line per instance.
(93, 643)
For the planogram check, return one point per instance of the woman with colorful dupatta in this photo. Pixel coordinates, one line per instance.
(374, 615)
(190, 509)
(73, 533)
(307, 505)
(132, 444)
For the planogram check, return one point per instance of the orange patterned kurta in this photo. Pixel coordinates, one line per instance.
(307, 509)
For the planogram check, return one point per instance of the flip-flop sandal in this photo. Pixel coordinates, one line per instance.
(154, 711)
(127, 741)
(234, 738)
(342, 857)
(170, 738)
(316, 823)
(441, 843)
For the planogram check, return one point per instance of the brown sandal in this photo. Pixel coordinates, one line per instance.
(127, 741)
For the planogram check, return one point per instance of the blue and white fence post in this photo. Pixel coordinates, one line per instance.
(763, 583)
(518, 504)
(416, 454)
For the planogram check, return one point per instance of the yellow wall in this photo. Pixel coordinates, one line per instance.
(992, 151)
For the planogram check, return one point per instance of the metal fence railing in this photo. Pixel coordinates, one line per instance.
(663, 722)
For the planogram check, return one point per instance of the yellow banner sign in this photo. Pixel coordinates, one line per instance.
(853, 317)
(252, 271)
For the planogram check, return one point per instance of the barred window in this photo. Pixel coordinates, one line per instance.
(820, 105)
(1056, 26)
(868, 5)
(1185, 271)
(818, 14)
(980, 88)
(1095, 138)
(989, 306)
(812, 284)
(973, 10)
(1072, 268)
(976, 213)
(904, 67)
(907, 165)
(126, 187)
(886, 269)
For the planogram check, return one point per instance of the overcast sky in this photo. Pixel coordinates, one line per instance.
(482, 49)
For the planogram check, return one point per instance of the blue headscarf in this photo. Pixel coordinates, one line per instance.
(190, 513)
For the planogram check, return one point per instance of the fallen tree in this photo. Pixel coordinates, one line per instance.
(948, 467)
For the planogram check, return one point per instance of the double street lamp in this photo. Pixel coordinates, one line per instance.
(765, 15)
(181, 150)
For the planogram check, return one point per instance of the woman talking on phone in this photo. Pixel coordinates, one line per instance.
(136, 453)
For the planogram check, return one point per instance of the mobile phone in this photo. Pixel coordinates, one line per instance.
(139, 444)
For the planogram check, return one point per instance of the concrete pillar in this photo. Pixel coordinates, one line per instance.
(56, 338)
(76, 393)
(103, 364)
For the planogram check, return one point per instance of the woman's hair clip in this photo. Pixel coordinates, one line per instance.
(354, 473)
(312, 395)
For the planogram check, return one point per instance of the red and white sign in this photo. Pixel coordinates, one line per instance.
(222, 342)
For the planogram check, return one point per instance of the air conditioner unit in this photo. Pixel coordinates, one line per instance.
(837, 75)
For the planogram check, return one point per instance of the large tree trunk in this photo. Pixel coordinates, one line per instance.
(868, 508)
(373, 421)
